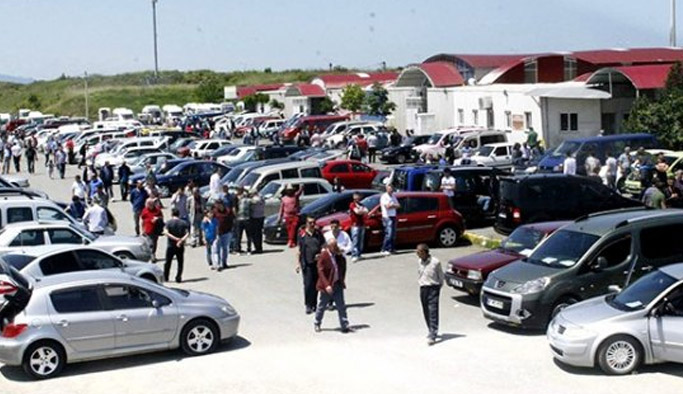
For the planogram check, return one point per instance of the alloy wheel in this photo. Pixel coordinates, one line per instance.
(447, 237)
(200, 339)
(620, 356)
(44, 360)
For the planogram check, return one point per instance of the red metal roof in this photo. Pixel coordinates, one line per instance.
(630, 56)
(309, 90)
(243, 91)
(477, 61)
(646, 77)
(442, 74)
(362, 79)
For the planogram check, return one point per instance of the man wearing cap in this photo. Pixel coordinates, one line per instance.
(96, 217)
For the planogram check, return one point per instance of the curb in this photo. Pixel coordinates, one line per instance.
(486, 242)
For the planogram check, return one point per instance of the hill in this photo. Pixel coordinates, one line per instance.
(66, 95)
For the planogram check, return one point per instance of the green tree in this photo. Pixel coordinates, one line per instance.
(251, 102)
(209, 89)
(674, 81)
(352, 98)
(377, 101)
(325, 105)
(276, 104)
(33, 102)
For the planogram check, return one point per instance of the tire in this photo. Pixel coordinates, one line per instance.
(44, 359)
(123, 255)
(401, 158)
(620, 355)
(199, 337)
(561, 304)
(447, 237)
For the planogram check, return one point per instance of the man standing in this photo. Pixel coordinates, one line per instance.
(95, 183)
(358, 212)
(77, 208)
(17, 152)
(177, 231)
(79, 188)
(196, 206)
(448, 183)
(430, 279)
(179, 203)
(331, 267)
(611, 170)
(289, 212)
(532, 138)
(569, 165)
(107, 176)
(31, 156)
(592, 165)
(152, 219)
(624, 162)
(310, 244)
(138, 196)
(257, 215)
(225, 219)
(388, 204)
(653, 196)
(124, 176)
(344, 243)
(241, 225)
(60, 161)
(96, 218)
(215, 184)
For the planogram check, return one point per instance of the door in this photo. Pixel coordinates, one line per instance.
(78, 316)
(64, 236)
(464, 198)
(417, 219)
(32, 237)
(361, 176)
(502, 157)
(138, 324)
(666, 330)
(312, 192)
(660, 245)
(341, 171)
(617, 256)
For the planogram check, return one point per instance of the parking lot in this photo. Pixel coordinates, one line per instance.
(278, 351)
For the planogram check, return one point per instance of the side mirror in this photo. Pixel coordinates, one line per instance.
(614, 289)
(600, 264)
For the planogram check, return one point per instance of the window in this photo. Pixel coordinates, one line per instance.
(475, 117)
(616, 252)
(339, 168)
(508, 119)
(422, 204)
(492, 139)
(64, 236)
(59, 264)
(662, 244)
(569, 122)
(46, 213)
(569, 68)
(265, 180)
(85, 299)
(501, 151)
(527, 120)
(489, 118)
(18, 261)
(15, 215)
(355, 167)
(95, 260)
(461, 116)
(530, 71)
(128, 297)
(29, 238)
(291, 173)
(312, 189)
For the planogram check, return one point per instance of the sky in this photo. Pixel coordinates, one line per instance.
(42, 39)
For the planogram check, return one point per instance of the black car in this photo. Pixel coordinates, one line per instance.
(275, 233)
(275, 151)
(199, 171)
(548, 197)
(401, 154)
(159, 169)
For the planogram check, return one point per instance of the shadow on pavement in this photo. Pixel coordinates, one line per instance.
(360, 305)
(354, 327)
(466, 300)
(447, 337)
(194, 280)
(17, 374)
(516, 330)
(272, 251)
(231, 266)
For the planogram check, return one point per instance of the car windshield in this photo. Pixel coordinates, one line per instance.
(566, 147)
(434, 139)
(320, 204)
(179, 143)
(270, 189)
(563, 249)
(371, 202)
(432, 181)
(232, 175)
(485, 151)
(249, 180)
(82, 231)
(641, 292)
(523, 240)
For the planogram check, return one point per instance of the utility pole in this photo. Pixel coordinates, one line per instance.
(156, 56)
(87, 112)
(384, 66)
(672, 33)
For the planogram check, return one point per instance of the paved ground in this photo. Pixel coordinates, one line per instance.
(278, 352)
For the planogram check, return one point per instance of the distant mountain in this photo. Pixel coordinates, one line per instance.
(12, 79)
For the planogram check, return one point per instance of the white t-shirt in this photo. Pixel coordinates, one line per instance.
(448, 185)
(215, 184)
(343, 240)
(569, 166)
(96, 218)
(78, 189)
(385, 200)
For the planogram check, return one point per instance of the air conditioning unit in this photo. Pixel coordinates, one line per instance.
(485, 102)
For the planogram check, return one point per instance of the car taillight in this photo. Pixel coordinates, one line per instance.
(516, 215)
(13, 330)
(7, 287)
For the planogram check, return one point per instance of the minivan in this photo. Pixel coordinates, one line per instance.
(547, 197)
(409, 178)
(587, 258)
(600, 146)
(458, 138)
(258, 178)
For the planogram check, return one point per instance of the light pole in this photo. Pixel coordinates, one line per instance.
(154, 23)
(672, 33)
(87, 112)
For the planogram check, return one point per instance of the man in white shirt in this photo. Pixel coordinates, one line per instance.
(569, 165)
(343, 239)
(79, 188)
(96, 218)
(388, 204)
(448, 183)
(215, 184)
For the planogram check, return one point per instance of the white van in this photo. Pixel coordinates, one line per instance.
(258, 178)
(459, 138)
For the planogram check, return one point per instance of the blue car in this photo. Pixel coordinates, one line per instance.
(199, 171)
(410, 178)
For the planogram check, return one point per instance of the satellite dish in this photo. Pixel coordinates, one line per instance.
(471, 81)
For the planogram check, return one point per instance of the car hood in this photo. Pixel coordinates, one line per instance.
(521, 272)
(271, 221)
(117, 240)
(590, 311)
(201, 298)
(485, 261)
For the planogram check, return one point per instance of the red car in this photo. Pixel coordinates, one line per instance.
(351, 173)
(423, 217)
(470, 272)
(317, 122)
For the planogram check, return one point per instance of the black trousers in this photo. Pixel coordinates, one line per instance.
(310, 276)
(371, 154)
(124, 190)
(241, 226)
(429, 297)
(178, 253)
(256, 231)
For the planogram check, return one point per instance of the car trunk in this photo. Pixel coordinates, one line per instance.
(509, 214)
(15, 293)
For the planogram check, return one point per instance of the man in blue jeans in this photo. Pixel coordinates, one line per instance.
(388, 204)
(358, 212)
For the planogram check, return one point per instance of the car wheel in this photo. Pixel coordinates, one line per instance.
(44, 359)
(199, 337)
(448, 236)
(563, 303)
(619, 355)
(124, 255)
(401, 158)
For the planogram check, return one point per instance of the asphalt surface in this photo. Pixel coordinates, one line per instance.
(277, 350)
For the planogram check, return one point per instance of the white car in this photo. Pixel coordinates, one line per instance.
(236, 155)
(491, 155)
(314, 188)
(337, 140)
(202, 148)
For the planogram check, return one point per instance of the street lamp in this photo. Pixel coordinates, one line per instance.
(85, 74)
(154, 23)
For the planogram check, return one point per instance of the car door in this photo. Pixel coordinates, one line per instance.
(417, 218)
(341, 171)
(79, 317)
(312, 192)
(594, 280)
(19, 214)
(464, 198)
(90, 259)
(137, 322)
(659, 245)
(28, 238)
(64, 236)
(362, 176)
(666, 328)
(502, 157)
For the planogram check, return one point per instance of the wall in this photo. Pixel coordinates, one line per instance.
(296, 104)
(588, 111)
(440, 102)
(398, 95)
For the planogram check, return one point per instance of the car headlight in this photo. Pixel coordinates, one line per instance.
(474, 274)
(532, 286)
(576, 332)
(228, 309)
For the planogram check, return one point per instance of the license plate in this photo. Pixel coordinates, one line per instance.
(502, 215)
(494, 303)
(455, 282)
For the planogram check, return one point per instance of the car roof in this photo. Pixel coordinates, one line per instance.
(675, 270)
(286, 165)
(38, 223)
(299, 180)
(605, 222)
(531, 177)
(419, 194)
(546, 227)
(82, 278)
(615, 137)
(498, 144)
(46, 250)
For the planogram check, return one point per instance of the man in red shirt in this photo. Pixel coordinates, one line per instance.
(152, 221)
(289, 212)
(358, 212)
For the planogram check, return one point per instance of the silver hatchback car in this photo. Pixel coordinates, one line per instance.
(641, 324)
(94, 315)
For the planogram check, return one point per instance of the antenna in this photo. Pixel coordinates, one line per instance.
(672, 33)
